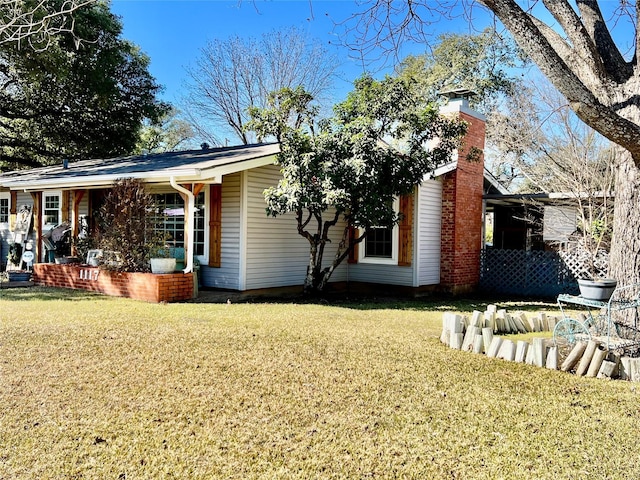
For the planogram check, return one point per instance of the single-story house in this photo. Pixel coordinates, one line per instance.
(216, 196)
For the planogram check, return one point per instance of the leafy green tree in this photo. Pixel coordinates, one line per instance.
(351, 166)
(482, 62)
(165, 135)
(75, 100)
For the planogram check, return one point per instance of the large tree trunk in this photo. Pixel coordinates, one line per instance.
(625, 247)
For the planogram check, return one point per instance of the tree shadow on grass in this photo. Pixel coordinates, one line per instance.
(433, 302)
(22, 294)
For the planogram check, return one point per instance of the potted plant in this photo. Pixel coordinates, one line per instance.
(162, 261)
(599, 289)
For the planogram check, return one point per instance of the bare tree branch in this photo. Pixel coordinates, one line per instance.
(595, 25)
(231, 76)
(37, 24)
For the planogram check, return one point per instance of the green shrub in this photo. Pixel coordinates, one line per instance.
(126, 227)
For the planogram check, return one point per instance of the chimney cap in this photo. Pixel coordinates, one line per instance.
(460, 92)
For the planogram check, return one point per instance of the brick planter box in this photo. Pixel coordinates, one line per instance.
(172, 287)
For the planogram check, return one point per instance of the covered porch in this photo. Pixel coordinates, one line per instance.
(187, 187)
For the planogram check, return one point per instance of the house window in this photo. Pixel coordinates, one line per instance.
(4, 207)
(170, 220)
(52, 209)
(379, 242)
(199, 225)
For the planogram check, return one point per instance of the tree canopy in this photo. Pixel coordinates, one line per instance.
(482, 62)
(167, 134)
(75, 100)
(350, 167)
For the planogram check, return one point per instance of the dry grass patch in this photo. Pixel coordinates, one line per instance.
(97, 387)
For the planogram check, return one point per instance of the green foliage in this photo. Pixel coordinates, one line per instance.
(479, 62)
(75, 99)
(83, 245)
(126, 227)
(372, 150)
(164, 135)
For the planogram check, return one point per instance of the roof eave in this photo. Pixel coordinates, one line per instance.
(204, 175)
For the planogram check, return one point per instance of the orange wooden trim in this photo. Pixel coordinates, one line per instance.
(75, 216)
(353, 254)
(37, 223)
(197, 188)
(215, 225)
(66, 200)
(13, 208)
(405, 231)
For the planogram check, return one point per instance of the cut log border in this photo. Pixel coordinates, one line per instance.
(480, 335)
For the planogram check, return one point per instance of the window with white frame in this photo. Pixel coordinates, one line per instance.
(5, 207)
(381, 243)
(51, 209)
(170, 220)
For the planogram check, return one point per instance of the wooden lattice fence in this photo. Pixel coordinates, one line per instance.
(528, 273)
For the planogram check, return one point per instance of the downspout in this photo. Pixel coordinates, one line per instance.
(191, 204)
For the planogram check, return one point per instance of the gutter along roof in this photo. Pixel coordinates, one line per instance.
(187, 166)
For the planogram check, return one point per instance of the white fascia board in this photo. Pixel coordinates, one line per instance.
(99, 180)
(189, 175)
(238, 167)
(444, 169)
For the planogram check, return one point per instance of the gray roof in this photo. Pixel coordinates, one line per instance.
(187, 166)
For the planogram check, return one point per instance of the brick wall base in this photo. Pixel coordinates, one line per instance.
(173, 287)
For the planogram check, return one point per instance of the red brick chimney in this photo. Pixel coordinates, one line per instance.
(462, 190)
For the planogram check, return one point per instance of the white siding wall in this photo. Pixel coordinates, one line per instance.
(429, 224)
(5, 236)
(275, 254)
(380, 273)
(426, 246)
(228, 275)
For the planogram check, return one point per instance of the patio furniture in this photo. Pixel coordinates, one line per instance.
(599, 320)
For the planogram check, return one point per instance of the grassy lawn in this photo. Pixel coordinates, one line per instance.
(105, 388)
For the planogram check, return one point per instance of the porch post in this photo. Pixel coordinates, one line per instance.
(65, 205)
(37, 223)
(75, 217)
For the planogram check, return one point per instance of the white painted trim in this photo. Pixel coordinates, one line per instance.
(50, 193)
(446, 168)
(189, 217)
(204, 259)
(219, 172)
(415, 263)
(242, 260)
(182, 175)
(7, 195)
(395, 237)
